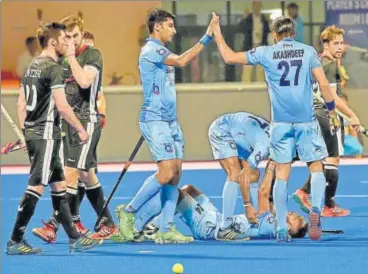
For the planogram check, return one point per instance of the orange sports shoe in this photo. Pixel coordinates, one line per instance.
(302, 198)
(334, 211)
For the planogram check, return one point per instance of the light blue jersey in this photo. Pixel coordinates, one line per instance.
(158, 83)
(288, 68)
(241, 135)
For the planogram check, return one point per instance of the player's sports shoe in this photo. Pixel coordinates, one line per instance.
(315, 229)
(138, 236)
(105, 232)
(172, 237)
(21, 248)
(83, 243)
(80, 228)
(126, 223)
(230, 234)
(302, 198)
(282, 236)
(150, 232)
(46, 233)
(334, 211)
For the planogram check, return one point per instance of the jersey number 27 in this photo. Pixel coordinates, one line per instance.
(285, 66)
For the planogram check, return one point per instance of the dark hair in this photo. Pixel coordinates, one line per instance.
(302, 232)
(30, 39)
(292, 5)
(157, 16)
(88, 35)
(48, 31)
(283, 26)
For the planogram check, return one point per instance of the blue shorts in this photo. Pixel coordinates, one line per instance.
(304, 138)
(225, 145)
(201, 216)
(164, 139)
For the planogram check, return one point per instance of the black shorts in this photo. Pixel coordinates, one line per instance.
(46, 165)
(82, 157)
(334, 143)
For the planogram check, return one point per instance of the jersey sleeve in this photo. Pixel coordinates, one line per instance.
(157, 55)
(331, 72)
(315, 60)
(255, 56)
(94, 59)
(56, 77)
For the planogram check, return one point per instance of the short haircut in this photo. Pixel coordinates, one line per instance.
(302, 232)
(292, 5)
(30, 40)
(72, 21)
(48, 31)
(329, 33)
(88, 35)
(157, 16)
(283, 26)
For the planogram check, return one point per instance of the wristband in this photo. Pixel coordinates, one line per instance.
(205, 40)
(24, 131)
(331, 105)
(247, 204)
(102, 115)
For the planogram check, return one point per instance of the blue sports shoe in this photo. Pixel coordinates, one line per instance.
(315, 228)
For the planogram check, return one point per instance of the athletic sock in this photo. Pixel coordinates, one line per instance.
(147, 212)
(25, 212)
(62, 212)
(81, 191)
(96, 197)
(229, 197)
(318, 186)
(73, 199)
(149, 188)
(332, 180)
(169, 198)
(280, 197)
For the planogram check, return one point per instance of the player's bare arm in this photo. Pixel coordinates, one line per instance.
(265, 188)
(21, 107)
(101, 103)
(67, 113)
(229, 56)
(186, 57)
(247, 176)
(84, 76)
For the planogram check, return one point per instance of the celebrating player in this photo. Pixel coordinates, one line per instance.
(159, 125)
(289, 67)
(333, 47)
(40, 103)
(83, 72)
(239, 141)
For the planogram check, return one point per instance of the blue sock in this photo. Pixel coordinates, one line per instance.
(318, 186)
(169, 198)
(150, 187)
(280, 197)
(254, 187)
(229, 196)
(148, 211)
(157, 220)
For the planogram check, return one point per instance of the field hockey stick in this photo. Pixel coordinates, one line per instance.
(361, 128)
(127, 164)
(331, 231)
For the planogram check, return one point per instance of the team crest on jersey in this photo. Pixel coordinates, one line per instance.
(253, 50)
(168, 148)
(258, 157)
(161, 51)
(232, 144)
(156, 89)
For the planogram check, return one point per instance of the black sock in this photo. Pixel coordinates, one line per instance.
(332, 179)
(307, 186)
(62, 211)
(73, 200)
(96, 197)
(25, 212)
(81, 191)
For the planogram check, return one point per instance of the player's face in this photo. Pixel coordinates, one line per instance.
(167, 30)
(295, 222)
(61, 44)
(336, 46)
(89, 42)
(76, 35)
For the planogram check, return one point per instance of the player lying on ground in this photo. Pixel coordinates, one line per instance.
(239, 141)
(204, 220)
(290, 67)
(41, 101)
(82, 68)
(333, 47)
(159, 124)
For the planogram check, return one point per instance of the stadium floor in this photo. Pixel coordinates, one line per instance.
(346, 253)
